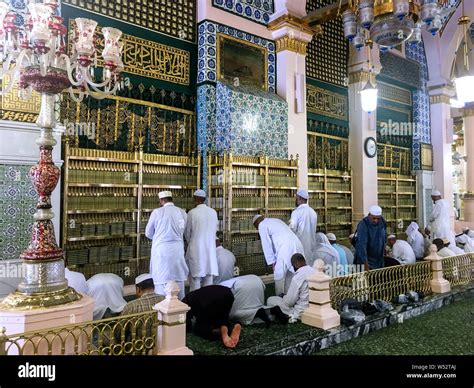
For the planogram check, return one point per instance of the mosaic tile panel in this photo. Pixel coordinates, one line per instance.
(421, 104)
(207, 51)
(258, 11)
(328, 55)
(17, 206)
(251, 122)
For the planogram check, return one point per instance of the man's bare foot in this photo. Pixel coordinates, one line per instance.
(226, 340)
(235, 336)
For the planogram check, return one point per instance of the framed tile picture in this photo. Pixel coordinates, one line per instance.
(240, 59)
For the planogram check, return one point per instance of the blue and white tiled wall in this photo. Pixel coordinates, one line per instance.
(421, 104)
(207, 51)
(17, 206)
(258, 11)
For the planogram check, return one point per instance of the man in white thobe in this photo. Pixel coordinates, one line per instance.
(468, 232)
(416, 240)
(249, 299)
(200, 233)
(166, 228)
(225, 263)
(77, 281)
(443, 247)
(303, 223)
(279, 244)
(440, 219)
(401, 250)
(296, 301)
(466, 243)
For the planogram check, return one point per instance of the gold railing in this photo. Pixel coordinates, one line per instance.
(459, 269)
(384, 283)
(128, 335)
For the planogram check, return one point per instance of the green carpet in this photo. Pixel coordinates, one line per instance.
(446, 331)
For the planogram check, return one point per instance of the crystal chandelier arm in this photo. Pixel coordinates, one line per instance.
(73, 95)
(103, 94)
(13, 73)
(69, 71)
(94, 85)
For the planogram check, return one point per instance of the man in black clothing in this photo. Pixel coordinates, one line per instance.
(210, 306)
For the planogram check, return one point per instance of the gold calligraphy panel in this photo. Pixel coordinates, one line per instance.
(326, 103)
(150, 59)
(14, 108)
(393, 93)
(426, 157)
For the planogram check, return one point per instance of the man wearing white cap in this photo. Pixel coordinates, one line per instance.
(468, 232)
(279, 244)
(303, 223)
(440, 222)
(225, 263)
(401, 250)
(370, 240)
(200, 233)
(166, 228)
(343, 261)
(443, 246)
(416, 240)
(146, 297)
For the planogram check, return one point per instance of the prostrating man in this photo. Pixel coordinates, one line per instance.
(279, 243)
(146, 297)
(201, 255)
(166, 229)
(225, 263)
(370, 237)
(107, 291)
(303, 223)
(440, 220)
(249, 299)
(296, 301)
(341, 252)
(211, 306)
(325, 251)
(442, 245)
(416, 240)
(467, 231)
(77, 281)
(465, 242)
(401, 250)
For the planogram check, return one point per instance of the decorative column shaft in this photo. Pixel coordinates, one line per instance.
(440, 111)
(362, 125)
(469, 170)
(292, 36)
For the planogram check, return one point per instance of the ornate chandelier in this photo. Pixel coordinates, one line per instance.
(390, 22)
(34, 56)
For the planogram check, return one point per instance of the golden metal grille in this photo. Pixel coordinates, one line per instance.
(128, 335)
(325, 151)
(384, 283)
(172, 17)
(459, 270)
(327, 54)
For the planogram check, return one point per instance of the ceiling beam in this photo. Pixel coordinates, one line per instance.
(324, 14)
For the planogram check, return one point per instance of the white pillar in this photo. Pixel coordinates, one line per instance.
(469, 170)
(362, 125)
(292, 37)
(441, 139)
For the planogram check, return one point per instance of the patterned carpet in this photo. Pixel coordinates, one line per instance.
(447, 331)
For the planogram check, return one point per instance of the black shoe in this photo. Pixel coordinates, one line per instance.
(280, 315)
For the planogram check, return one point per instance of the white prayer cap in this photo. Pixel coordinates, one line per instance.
(465, 229)
(331, 237)
(142, 278)
(256, 217)
(392, 236)
(375, 210)
(200, 193)
(302, 193)
(446, 241)
(165, 194)
(435, 193)
(351, 235)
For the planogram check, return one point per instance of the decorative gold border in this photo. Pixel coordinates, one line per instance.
(317, 89)
(220, 37)
(388, 87)
(440, 99)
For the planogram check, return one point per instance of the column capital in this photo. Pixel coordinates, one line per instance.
(468, 110)
(361, 76)
(440, 92)
(291, 34)
(440, 99)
